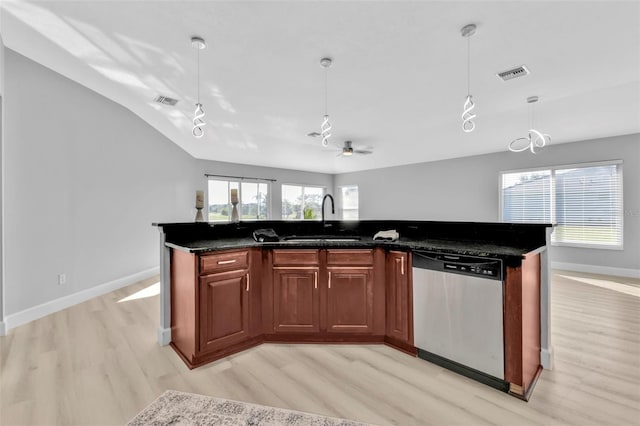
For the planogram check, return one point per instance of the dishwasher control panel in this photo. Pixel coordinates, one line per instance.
(485, 270)
(490, 268)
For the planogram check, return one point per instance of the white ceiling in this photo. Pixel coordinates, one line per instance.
(397, 84)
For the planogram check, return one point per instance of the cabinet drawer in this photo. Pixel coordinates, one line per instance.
(295, 257)
(350, 257)
(224, 261)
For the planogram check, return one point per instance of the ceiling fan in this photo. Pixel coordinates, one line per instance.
(347, 150)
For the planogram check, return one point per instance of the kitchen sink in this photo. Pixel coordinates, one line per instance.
(319, 238)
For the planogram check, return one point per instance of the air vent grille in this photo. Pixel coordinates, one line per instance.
(520, 71)
(165, 100)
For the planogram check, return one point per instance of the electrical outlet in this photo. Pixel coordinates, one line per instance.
(62, 279)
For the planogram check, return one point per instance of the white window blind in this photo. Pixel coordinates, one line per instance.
(589, 205)
(526, 196)
(584, 201)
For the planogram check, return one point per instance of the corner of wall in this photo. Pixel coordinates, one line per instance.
(2, 324)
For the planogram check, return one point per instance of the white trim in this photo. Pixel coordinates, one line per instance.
(596, 269)
(164, 336)
(546, 358)
(47, 308)
(567, 166)
(546, 353)
(3, 328)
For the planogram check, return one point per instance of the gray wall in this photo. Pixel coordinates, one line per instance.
(84, 180)
(466, 189)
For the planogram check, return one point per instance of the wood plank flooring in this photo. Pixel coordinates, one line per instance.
(99, 363)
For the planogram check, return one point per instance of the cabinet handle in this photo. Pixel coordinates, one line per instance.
(329, 279)
(226, 262)
(402, 265)
(315, 279)
(248, 282)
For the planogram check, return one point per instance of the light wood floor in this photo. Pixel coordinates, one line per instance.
(99, 363)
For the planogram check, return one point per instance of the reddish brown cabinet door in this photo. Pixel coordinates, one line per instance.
(296, 300)
(224, 309)
(399, 300)
(349, 300)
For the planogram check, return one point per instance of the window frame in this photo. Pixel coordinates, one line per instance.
(303, 186)
(239, 181)
(342, 208)
(553, 169)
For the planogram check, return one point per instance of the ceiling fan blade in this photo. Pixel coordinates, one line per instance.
(359, 151)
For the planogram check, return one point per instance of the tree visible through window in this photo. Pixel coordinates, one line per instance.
(301, 202)
(253, 199)
(585, 202)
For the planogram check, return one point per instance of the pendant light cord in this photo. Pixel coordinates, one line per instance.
(198, 74)
(530, 115)
(468, 66)
(326, 89)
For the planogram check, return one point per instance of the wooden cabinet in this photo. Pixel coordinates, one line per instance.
(349, 299)
(522, 325)
(296, 300)
(224, 309)
(349, 291)
(399, 300)
(296, 296)
(215, 307)
(319, 293)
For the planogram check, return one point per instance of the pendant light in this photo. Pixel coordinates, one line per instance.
(535, 139)
(325, 128)
(467, 124)
(198, 122)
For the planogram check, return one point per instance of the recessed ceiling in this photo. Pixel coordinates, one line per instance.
(397, 84)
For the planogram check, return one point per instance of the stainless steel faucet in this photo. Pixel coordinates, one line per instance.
(332, 207)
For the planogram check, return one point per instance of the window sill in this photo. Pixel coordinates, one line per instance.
(588, 246)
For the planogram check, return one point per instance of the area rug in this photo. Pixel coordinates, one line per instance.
(181, 408)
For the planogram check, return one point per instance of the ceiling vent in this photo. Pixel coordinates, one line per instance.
(520, 71)
(164, 100)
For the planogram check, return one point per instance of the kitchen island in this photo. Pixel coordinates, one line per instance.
(223, 292)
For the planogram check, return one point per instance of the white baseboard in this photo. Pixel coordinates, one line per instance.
(47, 308)
(164, 336)
(595, 269)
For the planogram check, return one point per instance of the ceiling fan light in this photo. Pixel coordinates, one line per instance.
(347, 151)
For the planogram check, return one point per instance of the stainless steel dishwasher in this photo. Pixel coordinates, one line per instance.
(457, 309)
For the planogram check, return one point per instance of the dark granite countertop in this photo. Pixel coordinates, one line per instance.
(403, 244)
(509, 241)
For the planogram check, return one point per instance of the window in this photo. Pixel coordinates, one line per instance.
(349, 202)
(585, 202)
(253, 199)
(301, 202)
